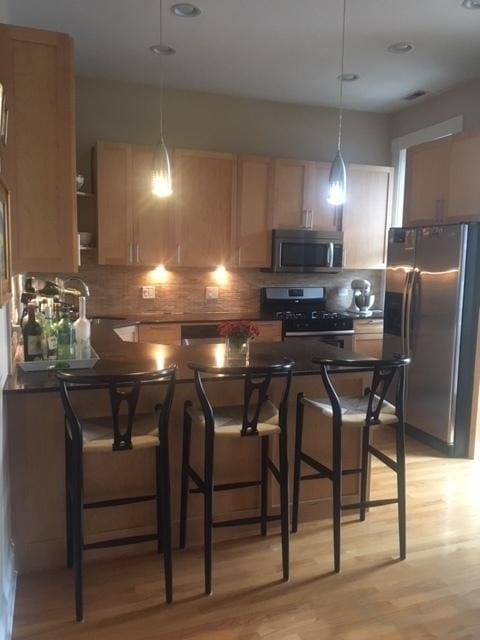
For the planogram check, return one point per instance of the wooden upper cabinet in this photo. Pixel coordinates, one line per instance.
(289, 186)
(114, 202)
(426, 182)
(300, 195)
(366, 216)
(153, 219)
(463, 201)
(42, 135)
(322, 214)
(254, 212)
(204, 185)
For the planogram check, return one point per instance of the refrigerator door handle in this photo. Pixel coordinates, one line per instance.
(408, 315)
(404, 310)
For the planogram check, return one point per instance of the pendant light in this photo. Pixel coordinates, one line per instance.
(337, 181)
(161, 171)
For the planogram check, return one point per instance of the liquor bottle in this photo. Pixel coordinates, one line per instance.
(32, 337)
(57, 313)
(49, 337)
(64, 338)
(81, 327)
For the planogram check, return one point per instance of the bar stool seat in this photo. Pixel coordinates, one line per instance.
(97, 432)
(229, 419)
(354, 410)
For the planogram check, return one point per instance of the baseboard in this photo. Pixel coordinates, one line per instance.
(439, 445)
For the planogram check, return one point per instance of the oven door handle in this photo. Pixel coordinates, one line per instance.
(307, 334)
(330, 255)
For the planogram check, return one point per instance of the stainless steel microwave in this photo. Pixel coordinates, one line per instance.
(307, 251)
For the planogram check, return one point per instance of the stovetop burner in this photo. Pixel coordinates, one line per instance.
(307, 315)
(302, 311)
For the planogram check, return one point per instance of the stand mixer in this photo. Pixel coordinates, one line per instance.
(362, 299)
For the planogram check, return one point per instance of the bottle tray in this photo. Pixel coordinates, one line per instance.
(53, 365)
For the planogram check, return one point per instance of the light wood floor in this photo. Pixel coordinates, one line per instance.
(434, 594)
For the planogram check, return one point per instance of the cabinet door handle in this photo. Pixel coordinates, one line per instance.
(130, 253)
(239, 256)
(178, 254)
(310, 219)
(137, 251)
(304, 218)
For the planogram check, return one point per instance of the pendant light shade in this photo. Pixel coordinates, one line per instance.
(337, 181)
(162, 172)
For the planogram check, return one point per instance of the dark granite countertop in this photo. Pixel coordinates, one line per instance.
(214, 317)
(118, 357)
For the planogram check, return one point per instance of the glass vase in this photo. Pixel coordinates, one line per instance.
(238, 349)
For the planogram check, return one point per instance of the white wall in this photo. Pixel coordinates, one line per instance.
(127, 112)
(462, 100)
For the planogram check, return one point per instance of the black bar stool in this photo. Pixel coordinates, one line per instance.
(116, 432)
(364, 412)
(257, 417)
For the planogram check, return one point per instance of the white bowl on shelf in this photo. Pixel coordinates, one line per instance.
(85, 238)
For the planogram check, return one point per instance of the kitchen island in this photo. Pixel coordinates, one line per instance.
(36, 447)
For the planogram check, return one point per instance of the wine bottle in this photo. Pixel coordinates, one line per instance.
(49, 337)
(32, 337)
(64, 338)
(81, 327)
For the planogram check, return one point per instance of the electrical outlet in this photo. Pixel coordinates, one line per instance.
(148, 292)
(211, 293)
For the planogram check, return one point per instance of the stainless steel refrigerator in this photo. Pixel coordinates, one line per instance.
(431, 313)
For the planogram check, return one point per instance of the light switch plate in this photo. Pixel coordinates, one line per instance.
(211, 293)
(148, 292)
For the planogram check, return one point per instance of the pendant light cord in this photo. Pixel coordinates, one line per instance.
(342, 64)
(161, 69)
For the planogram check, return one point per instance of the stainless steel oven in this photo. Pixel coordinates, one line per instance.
(306, 251)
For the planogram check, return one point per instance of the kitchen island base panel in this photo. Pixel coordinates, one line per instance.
(36, 460)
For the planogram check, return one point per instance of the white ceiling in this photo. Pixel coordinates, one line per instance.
(285, 50)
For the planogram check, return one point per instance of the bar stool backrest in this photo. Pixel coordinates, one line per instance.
(122, 388)
(384, 372)
(257, 383)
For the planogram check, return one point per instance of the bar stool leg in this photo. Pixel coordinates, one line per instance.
(187, 430)
(337, 494)
(68, 499)
(297, 463)
(402, 517)
(164, 515)
(77, 513)
(208, 512)
(284, 503)
(364, 472)
(264, 487)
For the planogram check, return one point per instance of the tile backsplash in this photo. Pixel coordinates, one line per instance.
(117, 290)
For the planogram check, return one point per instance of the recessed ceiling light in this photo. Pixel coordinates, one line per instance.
(415, 95)
(185, 10)
(162, 50)
(348, 77)
(471, 4)
(401, 47)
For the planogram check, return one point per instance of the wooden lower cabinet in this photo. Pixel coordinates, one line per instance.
(269, 332)
(160, 333)
(368, 337)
